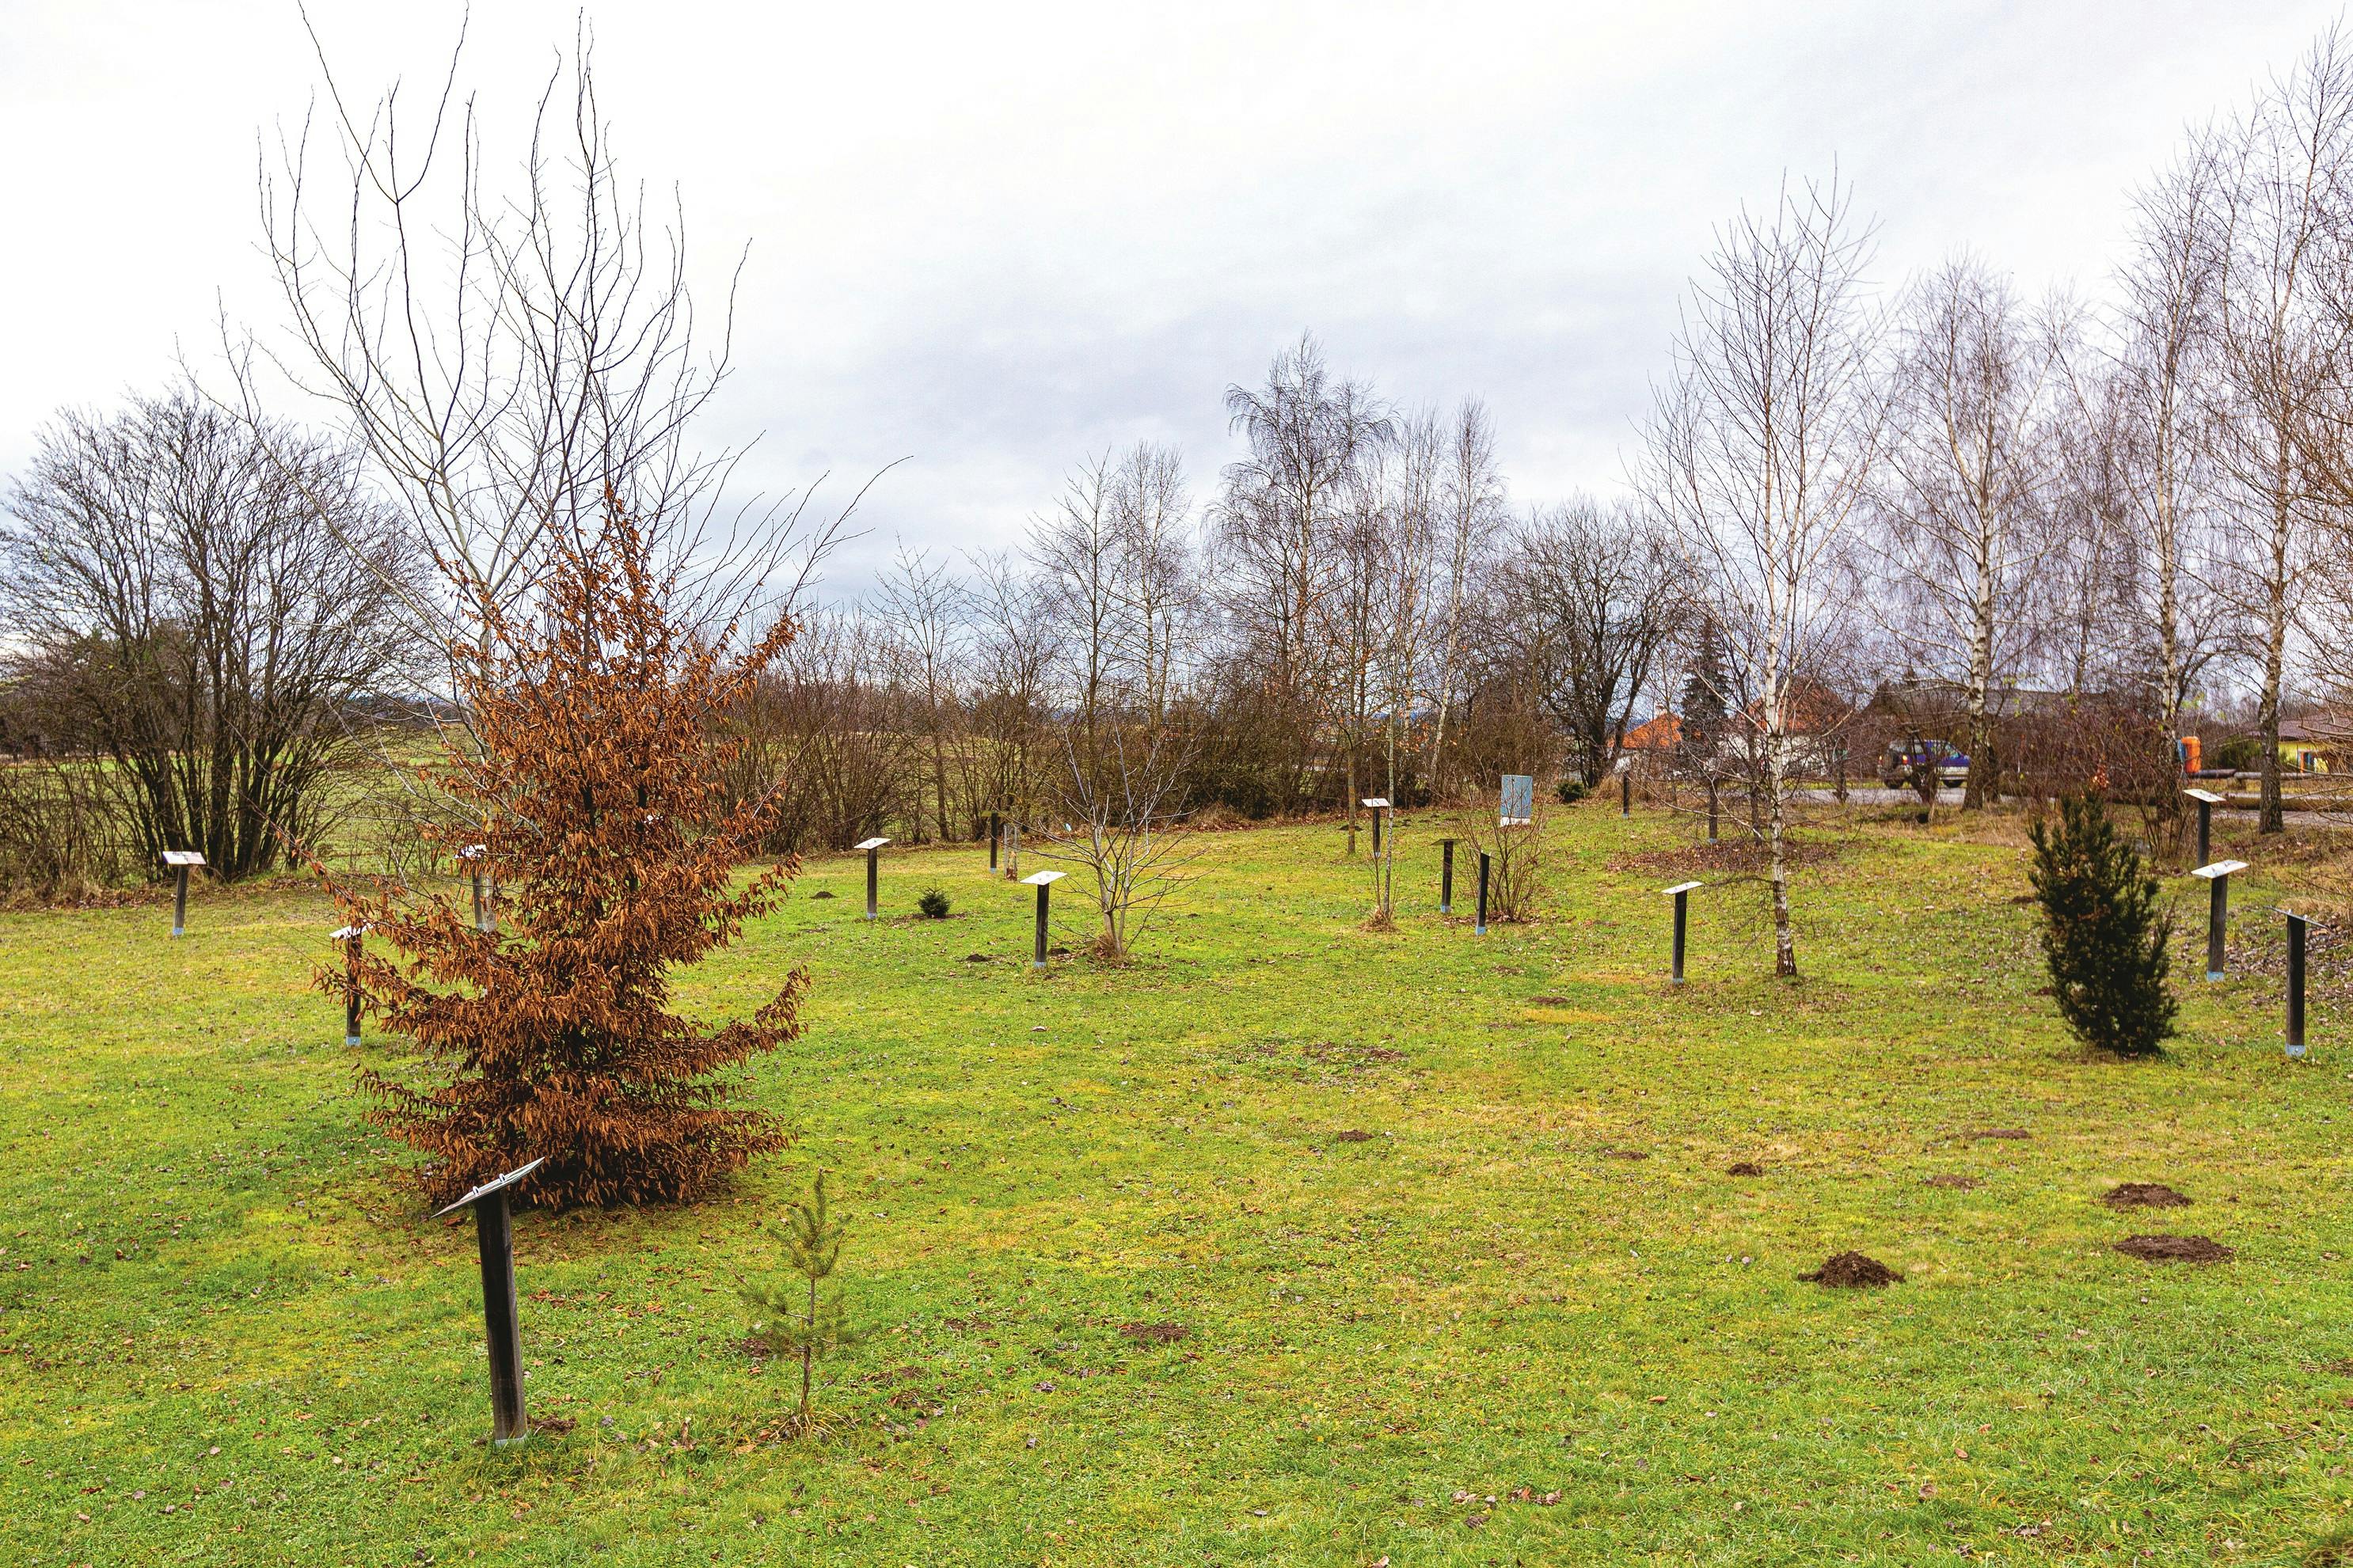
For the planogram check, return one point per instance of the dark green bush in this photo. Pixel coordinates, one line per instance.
(2103, 934)
(1572, 790)
(2243, 752)
(932, 905)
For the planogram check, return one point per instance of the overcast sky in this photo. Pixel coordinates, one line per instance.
(992, 240)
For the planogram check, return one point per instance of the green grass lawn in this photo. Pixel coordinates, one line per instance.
(1529, 1320)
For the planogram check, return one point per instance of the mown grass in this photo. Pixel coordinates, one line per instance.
(230, 1335)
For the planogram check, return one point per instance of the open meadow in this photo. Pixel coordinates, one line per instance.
(1292, 1242)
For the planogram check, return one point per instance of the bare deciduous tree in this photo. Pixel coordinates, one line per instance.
(1760, 448)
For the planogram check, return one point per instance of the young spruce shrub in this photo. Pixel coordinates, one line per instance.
(932, 905)
(2103, 935)
(798, 1319)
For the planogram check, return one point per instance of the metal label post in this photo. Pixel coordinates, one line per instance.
(1711, 811)
(1042, 880)
(2296, 924)
(996, 832)
(1625, 791)
(494, 1239)
(1446, 876)
(350, 937)
(1682, 892)
(1486, 861)
(2218, 910)
(1380, 807)
(474, 855)
(2207, 801)
(181, 861)
(873, 847)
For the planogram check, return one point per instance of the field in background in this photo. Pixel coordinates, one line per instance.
(1529, 1318)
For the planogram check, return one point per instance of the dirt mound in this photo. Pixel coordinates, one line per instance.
(1958, 1184)
(976, 958)
(2144, 1195)
(2175, 1249)
(1154, 1333)
(1549, 1001)
(822, 893)
(1852, 1271)
(1744, 1168)
(1353, 1135)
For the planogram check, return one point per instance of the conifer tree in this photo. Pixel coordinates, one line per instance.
(2103, 935)
(589, 773)
(801, 1319)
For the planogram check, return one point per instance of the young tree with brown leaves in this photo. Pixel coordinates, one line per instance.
(600, 799)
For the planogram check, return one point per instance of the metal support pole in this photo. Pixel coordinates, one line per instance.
(499, 1319)
(1012, 851)
(502, 1326)
(873, 877)
(1038, 960)
(2205, 831)
(994, 831)
(2217, 916)
(1377, 815)
(352, 990)
(2295, 985)
(180, 902)
(1683, 905)
(1446, 876)
(1626, 792)
(479, 923)
(1485, 860)
(1711, 811)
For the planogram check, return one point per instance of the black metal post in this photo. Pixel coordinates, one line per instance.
(479, 924)
(1485, 860)
(1377, 815)
(1711, 811)
(496, 1241)
(1683, 904)
(352, 990)
(1626, 792)
(2217, 915)
(1446, 876)
(2295, 985)
(994, 829)
(2205, 832)
(873, 875)
(1038, 960)
(180, 902)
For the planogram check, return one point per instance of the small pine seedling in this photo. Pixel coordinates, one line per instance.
(934, 904)
(799, 1318)
(2103, 935)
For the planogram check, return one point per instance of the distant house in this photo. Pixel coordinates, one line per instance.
(2314, 745)
(1664, 733)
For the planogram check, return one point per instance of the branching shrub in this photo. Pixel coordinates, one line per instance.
(798, 1319)
(2103, 935)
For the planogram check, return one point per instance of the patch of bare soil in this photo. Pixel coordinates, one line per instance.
(553, 1426)
(1353, 1135)
(1154, 1333)
(1958, 1184)
(1607, 1153)
(1852, 1271)
(2144, 1195)
(2175, 1249)
(2013, 1133)
(1549, 1001)
(1744, 1168)
(976, 958)
(822, 893)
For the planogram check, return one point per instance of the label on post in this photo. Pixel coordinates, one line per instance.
(1518, 801)
(495, 1185)
(2206, 796)
(1686, 887)
(871, 844)
(184, 857)
(2220, 868)
(1043, 879)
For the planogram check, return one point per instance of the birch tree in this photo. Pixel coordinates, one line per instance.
(1758, 452)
